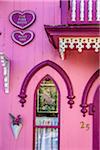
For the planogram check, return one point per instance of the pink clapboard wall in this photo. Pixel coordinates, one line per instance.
(78, 66)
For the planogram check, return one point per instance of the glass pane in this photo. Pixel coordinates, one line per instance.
(47, 121)
(46, 115)
(47, 98)
(46, 139)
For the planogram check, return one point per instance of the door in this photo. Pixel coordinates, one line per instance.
(96, 119)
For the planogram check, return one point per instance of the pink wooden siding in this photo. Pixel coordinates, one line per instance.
(79, 68)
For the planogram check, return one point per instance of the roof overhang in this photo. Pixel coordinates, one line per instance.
(79, 37)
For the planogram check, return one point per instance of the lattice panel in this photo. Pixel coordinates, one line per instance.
(78, 43)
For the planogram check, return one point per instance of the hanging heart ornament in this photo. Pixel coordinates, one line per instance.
(22, 37)
(22, 19)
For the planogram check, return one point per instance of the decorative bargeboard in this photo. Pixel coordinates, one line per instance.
(79, 43)
(6, 71)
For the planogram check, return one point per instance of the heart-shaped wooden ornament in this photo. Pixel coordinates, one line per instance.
(22, 19)
(23, 37)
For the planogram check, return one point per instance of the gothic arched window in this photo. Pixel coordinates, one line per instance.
(46, 115)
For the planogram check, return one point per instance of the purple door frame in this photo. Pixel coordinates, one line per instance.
(96, 120)
(86, 91)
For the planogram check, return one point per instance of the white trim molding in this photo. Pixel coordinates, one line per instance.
(5, 62)
(78, 43)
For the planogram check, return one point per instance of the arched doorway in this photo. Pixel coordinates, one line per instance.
(55, 75)
(96, 120)
(84, 103)
(46, 123)
(92, 109)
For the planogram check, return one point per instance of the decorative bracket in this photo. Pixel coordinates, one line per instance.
(5, 62)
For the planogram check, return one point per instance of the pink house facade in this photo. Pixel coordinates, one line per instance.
(49, 75)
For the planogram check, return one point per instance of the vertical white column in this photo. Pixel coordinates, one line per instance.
(98, 10)
(81, 10)
(6, 71)
(90, 10)
(73, 10)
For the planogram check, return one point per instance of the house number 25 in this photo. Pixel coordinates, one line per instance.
(84, 125)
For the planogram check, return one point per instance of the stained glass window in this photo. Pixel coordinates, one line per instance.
(47, 116)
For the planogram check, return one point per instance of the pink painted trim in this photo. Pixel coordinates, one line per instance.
(55, 66)
(87, 88)
(22, 13)
(34, 113)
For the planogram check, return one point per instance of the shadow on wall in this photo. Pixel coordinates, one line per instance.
(85, 59)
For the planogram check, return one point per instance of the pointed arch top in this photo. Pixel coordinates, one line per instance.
(35, 69)
(47, 77)
(47, 83)
(86, 91)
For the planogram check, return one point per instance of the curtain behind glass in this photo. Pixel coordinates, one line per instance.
(46, 139)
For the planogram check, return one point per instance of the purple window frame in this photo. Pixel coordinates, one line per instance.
(34, 113)
(66, 13)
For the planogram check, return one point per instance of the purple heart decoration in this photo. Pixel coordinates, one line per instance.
(23, 37)
(22, 19)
